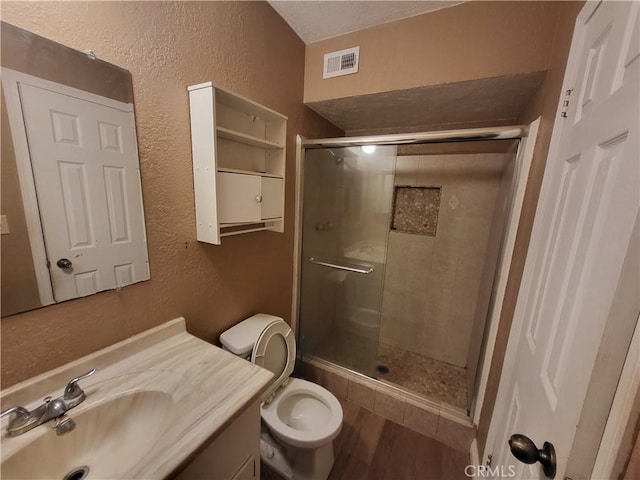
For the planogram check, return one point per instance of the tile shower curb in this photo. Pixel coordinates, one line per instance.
(447, 424)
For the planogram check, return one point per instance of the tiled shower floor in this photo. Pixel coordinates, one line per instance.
(433, 379)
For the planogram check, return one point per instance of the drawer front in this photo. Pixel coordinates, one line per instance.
(247, 471)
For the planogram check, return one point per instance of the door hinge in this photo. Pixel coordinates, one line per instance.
(489, 460)
(565, 103)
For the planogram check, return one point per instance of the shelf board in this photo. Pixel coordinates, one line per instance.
(246, 105)
(265, 222)
(248, 172)
(246, 139)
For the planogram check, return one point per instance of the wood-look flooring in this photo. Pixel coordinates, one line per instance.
(371, 447)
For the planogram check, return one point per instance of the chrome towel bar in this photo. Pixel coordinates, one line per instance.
(365, 269)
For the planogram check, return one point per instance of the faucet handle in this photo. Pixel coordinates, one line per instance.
(73, 391)
(21, 416)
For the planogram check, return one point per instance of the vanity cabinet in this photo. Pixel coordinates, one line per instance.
(233, 455)
(238, 149)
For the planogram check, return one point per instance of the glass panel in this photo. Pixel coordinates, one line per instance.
(347, 207)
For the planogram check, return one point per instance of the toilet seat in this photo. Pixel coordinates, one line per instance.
(301, 419)
(297, 400)
(275, 350)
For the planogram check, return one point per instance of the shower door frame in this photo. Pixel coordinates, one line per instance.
(526, 133)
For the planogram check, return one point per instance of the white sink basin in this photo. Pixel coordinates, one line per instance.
(109, 438)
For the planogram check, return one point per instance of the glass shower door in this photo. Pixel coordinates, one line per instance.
(346, 211)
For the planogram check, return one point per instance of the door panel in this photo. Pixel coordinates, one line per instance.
(588, 202)
(85, 166)
(347, 204)
(271, 198)
(239, 194)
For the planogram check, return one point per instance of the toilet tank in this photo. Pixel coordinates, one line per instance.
(241, 338)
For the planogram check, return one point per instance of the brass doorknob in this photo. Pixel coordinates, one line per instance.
(526, 451)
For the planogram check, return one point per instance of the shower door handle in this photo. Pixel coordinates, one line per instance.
(364, 269)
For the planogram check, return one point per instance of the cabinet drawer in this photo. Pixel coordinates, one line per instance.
(248, 198)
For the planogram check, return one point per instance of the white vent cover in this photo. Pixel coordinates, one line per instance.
(342, 62)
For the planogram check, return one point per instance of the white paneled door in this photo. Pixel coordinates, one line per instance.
(85, 165)
(589, 201)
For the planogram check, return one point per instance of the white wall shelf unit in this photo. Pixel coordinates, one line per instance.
(238, 149)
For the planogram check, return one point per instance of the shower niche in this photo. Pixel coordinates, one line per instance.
(415, 210)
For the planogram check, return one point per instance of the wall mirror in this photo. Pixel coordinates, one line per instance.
(71, 206)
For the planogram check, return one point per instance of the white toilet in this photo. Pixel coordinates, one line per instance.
(303, 417)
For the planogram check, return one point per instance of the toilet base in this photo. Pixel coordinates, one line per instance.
(274, 455)
(295, 463)
(312, 463)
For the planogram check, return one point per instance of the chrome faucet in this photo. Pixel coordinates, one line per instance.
(23, 420)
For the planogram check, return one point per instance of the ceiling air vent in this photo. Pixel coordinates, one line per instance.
(342, 62)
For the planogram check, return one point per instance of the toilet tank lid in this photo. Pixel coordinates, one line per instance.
(241, 338)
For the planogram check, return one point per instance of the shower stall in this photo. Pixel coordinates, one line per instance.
(398, 254)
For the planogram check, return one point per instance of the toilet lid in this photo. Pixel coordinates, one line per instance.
(275, 350)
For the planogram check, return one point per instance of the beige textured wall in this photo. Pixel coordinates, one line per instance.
(432, 283)
(465, 42)
(18, 286)
(241, 46)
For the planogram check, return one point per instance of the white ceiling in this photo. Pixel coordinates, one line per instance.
(320, 19)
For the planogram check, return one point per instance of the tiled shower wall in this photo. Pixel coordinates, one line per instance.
(433, 283)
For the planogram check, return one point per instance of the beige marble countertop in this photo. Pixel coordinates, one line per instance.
(209, 388)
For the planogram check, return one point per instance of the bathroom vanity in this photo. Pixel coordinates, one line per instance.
(162, 404)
